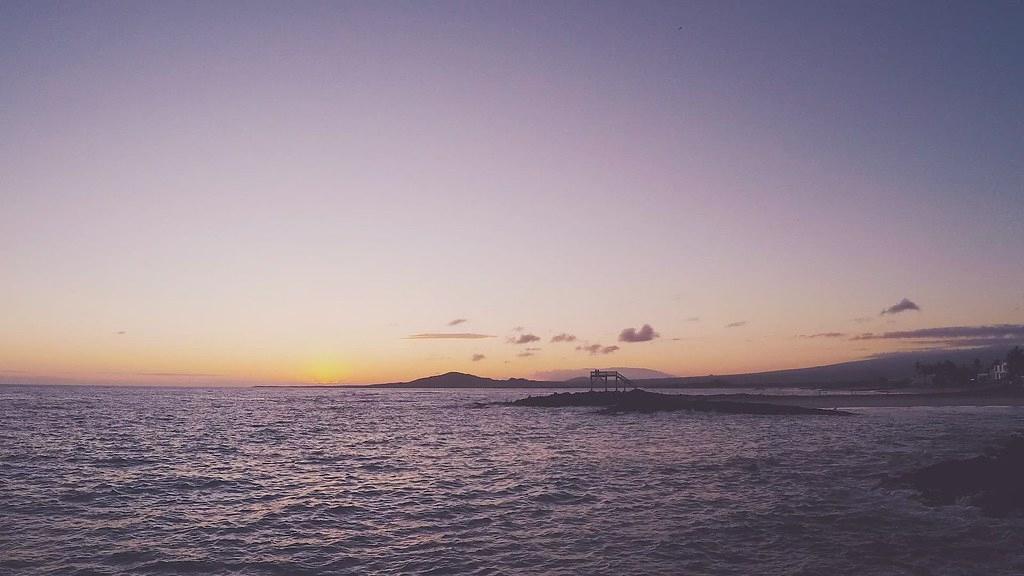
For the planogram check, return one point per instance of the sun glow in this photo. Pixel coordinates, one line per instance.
(326, 371)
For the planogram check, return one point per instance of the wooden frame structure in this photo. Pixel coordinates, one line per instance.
(601, 377)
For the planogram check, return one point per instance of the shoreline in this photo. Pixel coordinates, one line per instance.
(915, 400)
(645, 402)
(837, 398)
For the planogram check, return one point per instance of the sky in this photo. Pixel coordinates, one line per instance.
(234, 193)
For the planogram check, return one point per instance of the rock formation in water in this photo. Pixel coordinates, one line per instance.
(645, 402)
(993, 482)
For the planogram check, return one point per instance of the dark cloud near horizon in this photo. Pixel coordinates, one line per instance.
(644, 334)
(901, 306)
(823, 335)
(525, 354)
(563, 337)
(972, 342)
(736, 324)
(478, 357)
(448, 336)
(951, 333)
(524, 339)
(457, 321)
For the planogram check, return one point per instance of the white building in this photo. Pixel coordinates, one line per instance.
(999, 371)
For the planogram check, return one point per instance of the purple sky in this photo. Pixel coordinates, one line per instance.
(280, 192)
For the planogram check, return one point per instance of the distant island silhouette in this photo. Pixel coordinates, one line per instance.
(880, 372)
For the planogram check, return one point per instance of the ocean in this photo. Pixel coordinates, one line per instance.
(277, 481)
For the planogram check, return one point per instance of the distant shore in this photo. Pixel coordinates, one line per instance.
(926, 399)
(979, 398)
(832, 398)
(643, 401)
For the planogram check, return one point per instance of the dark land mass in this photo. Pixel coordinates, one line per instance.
(987, 396)
(646, 402)
(877, 398)
(993, 482)
(877, 373)
(461, 380)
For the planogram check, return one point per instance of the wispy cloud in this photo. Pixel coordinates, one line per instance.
(736, 324)
(901, 306)
(524, 339)
(180, 374)
(693, 319)
(595, 349)
(951, 333)
(563, 337)
(457, 321)
(525, 354)
(823, 335)
(644, 334)
(448, 336)
(478, 357)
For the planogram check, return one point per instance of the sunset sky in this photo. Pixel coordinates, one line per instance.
(362, 192)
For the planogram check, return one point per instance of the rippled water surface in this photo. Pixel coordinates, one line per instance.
(306, 481)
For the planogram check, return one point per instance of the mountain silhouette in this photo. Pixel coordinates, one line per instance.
(892, 367)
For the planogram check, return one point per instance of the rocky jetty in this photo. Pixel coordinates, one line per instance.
(646, 402)
(993, 482)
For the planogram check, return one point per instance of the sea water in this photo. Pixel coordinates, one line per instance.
(105, 480)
